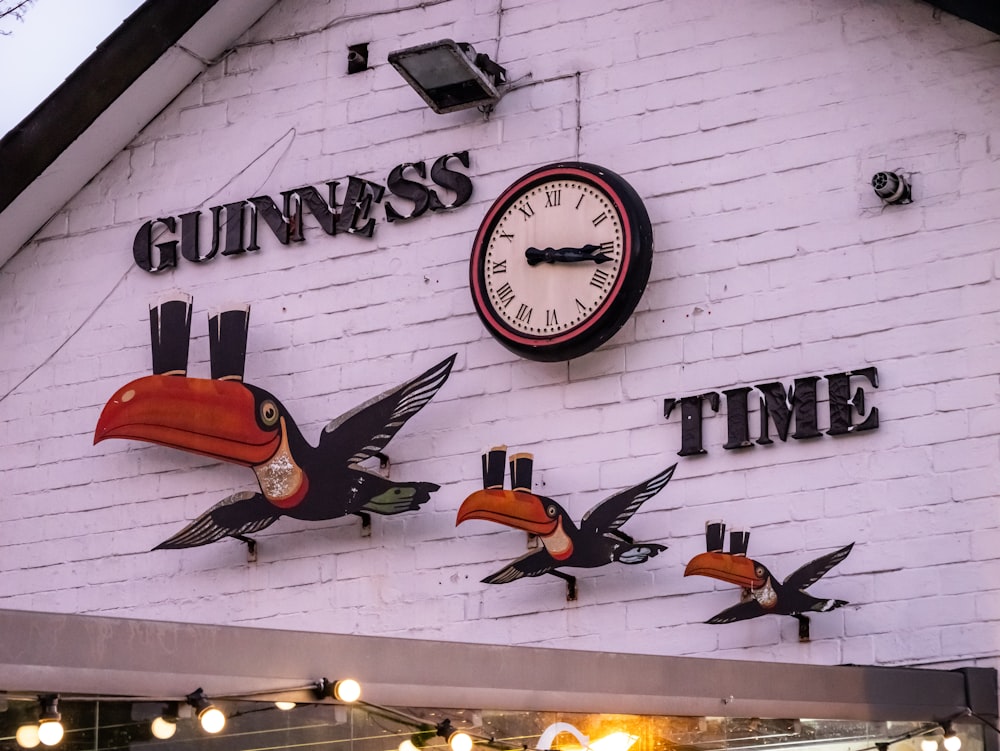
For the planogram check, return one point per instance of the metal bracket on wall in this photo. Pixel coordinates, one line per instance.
(803, 627)
(570, 584)
(251, 547)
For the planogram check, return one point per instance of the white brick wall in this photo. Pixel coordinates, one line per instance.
(751, 131)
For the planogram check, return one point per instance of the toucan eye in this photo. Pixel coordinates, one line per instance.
(759, 570)
(551, 511)
(268, 413)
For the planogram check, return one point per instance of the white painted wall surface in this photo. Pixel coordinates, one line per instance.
(751, 130)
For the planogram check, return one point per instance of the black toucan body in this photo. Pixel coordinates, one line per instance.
(597, 541)
(242, 424)
(763, 594)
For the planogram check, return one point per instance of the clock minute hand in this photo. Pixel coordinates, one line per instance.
(536, 256)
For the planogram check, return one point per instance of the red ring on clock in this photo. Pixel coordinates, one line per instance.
(502, 204)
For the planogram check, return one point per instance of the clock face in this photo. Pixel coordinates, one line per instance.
(561, 260)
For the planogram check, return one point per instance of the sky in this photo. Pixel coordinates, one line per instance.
(54, 37)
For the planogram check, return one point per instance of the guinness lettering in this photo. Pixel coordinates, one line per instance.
(234, 225)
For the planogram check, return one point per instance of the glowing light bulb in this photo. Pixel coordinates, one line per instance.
(460, 741)
(347, 691)
(212, 720)
(408, 745)
(50, 732)
(928, 744)
(952, 743)
(617, 741)
(163, 728)
(27, 736)
(284, 706)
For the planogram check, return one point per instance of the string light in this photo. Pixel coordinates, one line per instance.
(50, 729)
(951, 740)
(164, 726)
(459, 741)
(211, 717)
(347, 690)
(27, 736)
(285, 706)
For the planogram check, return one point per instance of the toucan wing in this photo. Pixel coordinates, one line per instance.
(613, 512)
(748, 609)
(239, 514)
(813, 571)
(365, 430)
(535, 563)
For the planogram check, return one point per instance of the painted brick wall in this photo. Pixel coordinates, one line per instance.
(751, 130)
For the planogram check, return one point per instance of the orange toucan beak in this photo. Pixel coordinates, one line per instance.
(210, 417)
(514, 508)
(735, 569)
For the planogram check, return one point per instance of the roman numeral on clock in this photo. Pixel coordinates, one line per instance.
(526, 210)
(506, 295)
(552, 197)
(599, 278)
(600, 218)
(524, 313)
(550, 318)
(500, 267)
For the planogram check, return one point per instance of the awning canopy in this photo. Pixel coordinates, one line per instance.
(53, 653)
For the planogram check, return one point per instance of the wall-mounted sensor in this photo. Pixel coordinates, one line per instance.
(357, 58)
(891, 187)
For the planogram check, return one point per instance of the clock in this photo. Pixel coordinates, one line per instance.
(561, 260)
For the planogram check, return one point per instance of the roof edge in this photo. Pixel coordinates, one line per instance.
(141, 39)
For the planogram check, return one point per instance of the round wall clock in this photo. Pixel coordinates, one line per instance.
(561, 260)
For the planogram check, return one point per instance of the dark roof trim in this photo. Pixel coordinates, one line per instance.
(52, 653)
(35, 143)
(985, 14)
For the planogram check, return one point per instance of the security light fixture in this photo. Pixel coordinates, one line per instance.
(450, 75)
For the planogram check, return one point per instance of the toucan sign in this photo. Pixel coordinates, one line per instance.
(234, 225)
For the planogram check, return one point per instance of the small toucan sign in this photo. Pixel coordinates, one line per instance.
(762, 593)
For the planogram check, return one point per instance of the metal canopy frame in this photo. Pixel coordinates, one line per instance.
(57, 653)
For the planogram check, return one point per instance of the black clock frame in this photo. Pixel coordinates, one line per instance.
(622, 300)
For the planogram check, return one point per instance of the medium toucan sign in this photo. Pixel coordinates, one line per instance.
(597, 541)
(227, 419)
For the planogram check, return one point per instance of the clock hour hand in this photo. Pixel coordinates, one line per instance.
(536, 256)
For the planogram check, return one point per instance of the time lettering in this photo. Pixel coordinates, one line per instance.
(780, 407)
(234, 225)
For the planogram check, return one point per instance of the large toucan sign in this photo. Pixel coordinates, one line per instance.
(597, 541)
(227, 419)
